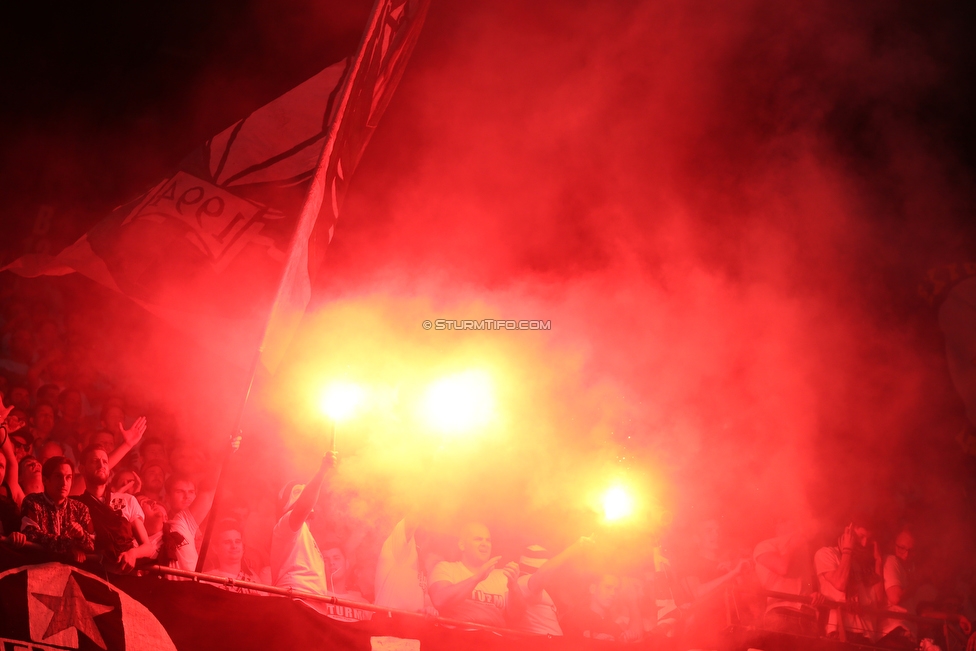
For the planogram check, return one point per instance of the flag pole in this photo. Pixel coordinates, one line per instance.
(306, 222)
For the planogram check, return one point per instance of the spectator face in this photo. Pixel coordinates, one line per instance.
(153, 452)
(57, 485)
(30, 470)
(475, 544)
(155, 514)
(904, 545)
(48, 393)
(153, 479)
(71, 405)
(229, 548)
(103, 440)
(605, 591)
(182, 495)
(48, 450)
(21, 447)
(95, 469)
(126, 481)
(335, 564)
(862, 535)
(43, 420)
(20, 398)
(112, 419)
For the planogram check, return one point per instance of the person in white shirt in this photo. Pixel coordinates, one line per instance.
(227, 546)
(851, 572)
(783, 564)
(296, 561)
(187, 511)
(120, 531)
(899, 586)
(471, 589)
(401, 579)
(536, 571)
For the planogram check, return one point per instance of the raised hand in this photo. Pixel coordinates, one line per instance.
(511, 572)
(847, 539)
(133, 435)
(128, 560)
(4, 412)
(486, 569)
(235, 443)
(331, 459)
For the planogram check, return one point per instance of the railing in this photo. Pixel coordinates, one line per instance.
(329, 599)
(841, 608)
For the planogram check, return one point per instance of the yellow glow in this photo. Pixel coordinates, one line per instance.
(617, 504)
(340, 400)
(459, 403)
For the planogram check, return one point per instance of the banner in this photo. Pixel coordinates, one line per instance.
(55, 606)
(221, 242)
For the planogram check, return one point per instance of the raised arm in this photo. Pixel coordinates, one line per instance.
(130, 439)
(443, 594)
(542, 576)
(838, 576)
(12, 475)
(310, 494)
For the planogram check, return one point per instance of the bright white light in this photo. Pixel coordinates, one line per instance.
(617, 504)
(459, 403)
(340, 400)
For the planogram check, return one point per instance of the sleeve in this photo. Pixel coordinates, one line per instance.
(135, 509)
(83, 515)
(30, 526)
(825, 560)
(892, 576)
(441, 572)
(398, 541)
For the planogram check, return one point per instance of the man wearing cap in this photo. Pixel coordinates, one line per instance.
(296, 561)
(537, 569)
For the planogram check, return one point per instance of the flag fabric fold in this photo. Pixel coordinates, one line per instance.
(221, 248)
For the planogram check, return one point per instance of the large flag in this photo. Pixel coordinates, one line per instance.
(223, 247)
(53, 606)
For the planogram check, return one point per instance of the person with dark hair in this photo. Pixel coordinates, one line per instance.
(120, 535)
(22, 441)
(48, 394)
(20, 397)
(52, 520)
(68, 427)
(187, 510)
(227, 550)
(851, 573)
(42, 421)
(30, 476)
(899, 586)
(153, 480)
(296, 561)
(153, 449)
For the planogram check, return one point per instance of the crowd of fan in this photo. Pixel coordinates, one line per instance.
(86, 485)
